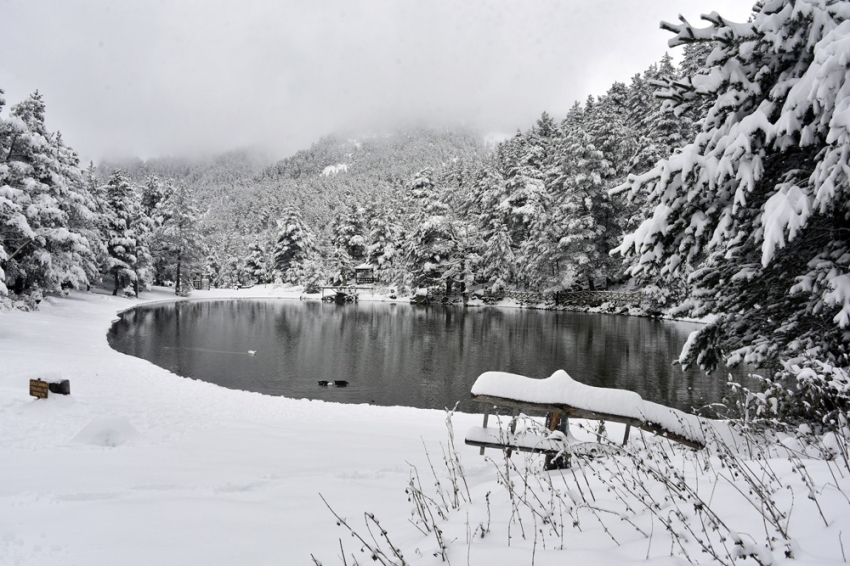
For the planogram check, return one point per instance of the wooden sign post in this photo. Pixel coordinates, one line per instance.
(39, 388)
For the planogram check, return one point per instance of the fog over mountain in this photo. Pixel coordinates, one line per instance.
(147, 79)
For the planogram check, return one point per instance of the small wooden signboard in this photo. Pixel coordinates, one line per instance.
(39, 388)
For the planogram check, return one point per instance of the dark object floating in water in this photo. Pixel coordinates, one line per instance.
(323, 383)
(341, 383)
(337, 383)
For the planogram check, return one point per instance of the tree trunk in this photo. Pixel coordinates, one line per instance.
(179, 282)
(115, 291)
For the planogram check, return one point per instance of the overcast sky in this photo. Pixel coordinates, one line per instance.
(149, 78)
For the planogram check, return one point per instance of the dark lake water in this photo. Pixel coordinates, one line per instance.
(398, 354)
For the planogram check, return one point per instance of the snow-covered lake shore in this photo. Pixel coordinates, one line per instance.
(141, 466)
(213, 476)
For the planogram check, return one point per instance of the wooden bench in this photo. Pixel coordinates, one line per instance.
(592, 403)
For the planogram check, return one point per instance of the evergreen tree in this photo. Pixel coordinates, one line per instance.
(524, 186)
(154, 194)
(256, 263)
(349, 229)
(432, 241)
(349, 243)
(43, 209)
(757, 204)
(294, 245)
(384, 252)
(586, 223)
(121, 240)
(498, 262)
(606, 122)
(341, 267)
(182, 240)
(657, 129)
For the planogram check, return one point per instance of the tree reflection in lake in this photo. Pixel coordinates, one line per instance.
(398, 354)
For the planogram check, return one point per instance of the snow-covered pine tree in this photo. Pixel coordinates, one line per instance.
(348, 241)
(92, 191)
(758, 202)
(348, 231)
(656, 129)
(119, 236)
(225, 264)
(498, 261)
(384, 251)
(606, 121)
(294, 245)
(182, 240)
(144, 227)
(537, 255)
(584, 214)
(432, 242)
(84, 246)
(693, 63)
(341, 267)
(42, 210)
(256, 262)
(529, 156)
(9, 210)
(154, 194)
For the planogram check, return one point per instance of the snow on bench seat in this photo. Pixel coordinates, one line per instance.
(496, 438)
(560, 393)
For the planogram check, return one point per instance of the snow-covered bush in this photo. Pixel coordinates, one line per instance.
(804, 390)
(753, 492)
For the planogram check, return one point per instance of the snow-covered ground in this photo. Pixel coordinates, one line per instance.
(140, 466)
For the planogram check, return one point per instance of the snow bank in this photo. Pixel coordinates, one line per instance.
(106, 431)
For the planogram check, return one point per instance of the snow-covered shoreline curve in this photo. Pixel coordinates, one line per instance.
(139, 466)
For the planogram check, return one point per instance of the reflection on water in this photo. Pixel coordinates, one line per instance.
(395, 354)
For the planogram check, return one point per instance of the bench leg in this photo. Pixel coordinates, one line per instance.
(486, 416)
(626, 436)
(553, 423)
(512, 428)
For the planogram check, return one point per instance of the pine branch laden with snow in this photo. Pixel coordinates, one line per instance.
(758, 204)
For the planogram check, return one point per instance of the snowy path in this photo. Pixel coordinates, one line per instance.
(214, 476)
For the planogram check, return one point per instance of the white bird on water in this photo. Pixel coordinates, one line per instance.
(252, 352)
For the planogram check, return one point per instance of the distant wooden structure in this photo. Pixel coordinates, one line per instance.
(364, 274)
(200, 283)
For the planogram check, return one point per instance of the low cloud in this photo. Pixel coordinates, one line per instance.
(143, 78)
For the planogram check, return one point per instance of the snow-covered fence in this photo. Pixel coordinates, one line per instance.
(585, 298)
(200, 284)
(592, 298)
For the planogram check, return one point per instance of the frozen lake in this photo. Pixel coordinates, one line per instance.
(399, 354)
